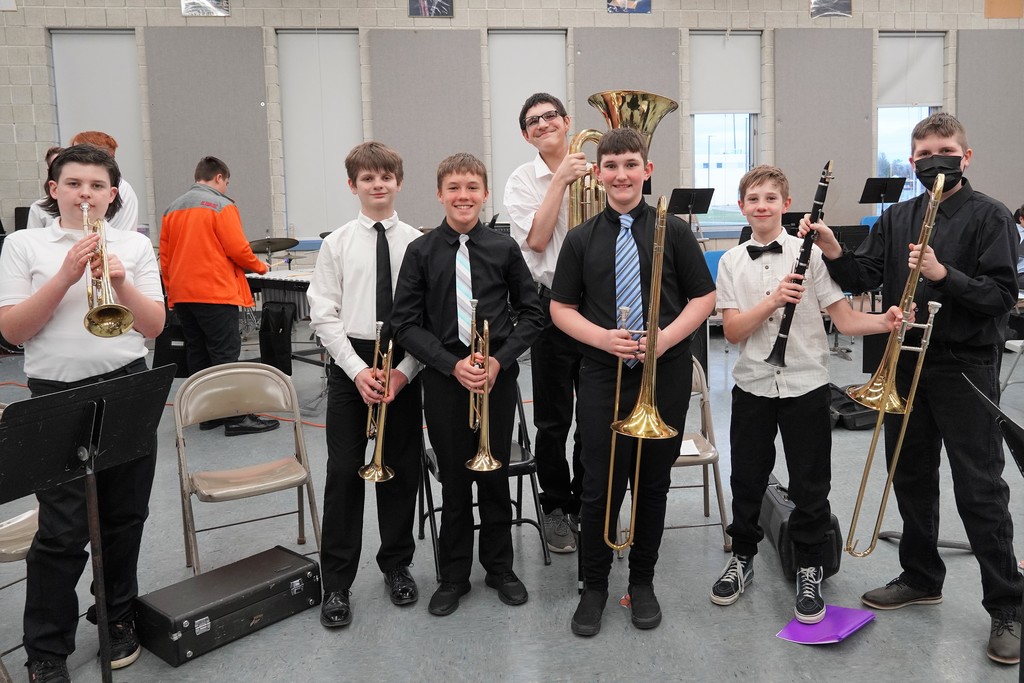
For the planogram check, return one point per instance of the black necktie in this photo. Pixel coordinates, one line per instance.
(756, 251)
(384, 295)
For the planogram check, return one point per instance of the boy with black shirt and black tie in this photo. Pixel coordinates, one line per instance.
(351, 291)
(585, 300)
(457, 262)
(969, 267)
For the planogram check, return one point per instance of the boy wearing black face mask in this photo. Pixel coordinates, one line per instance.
(970, 268)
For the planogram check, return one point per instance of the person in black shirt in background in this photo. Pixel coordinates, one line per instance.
(970, 268)
(426, 318)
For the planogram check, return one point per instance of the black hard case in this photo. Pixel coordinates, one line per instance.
(775, 510)
(180, 622)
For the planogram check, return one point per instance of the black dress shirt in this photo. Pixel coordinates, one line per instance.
(425, 315)
(585, 275)
(973, 237)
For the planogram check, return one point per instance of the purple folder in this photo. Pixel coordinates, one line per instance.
(839, 622)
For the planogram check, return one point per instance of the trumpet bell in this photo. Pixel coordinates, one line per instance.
(109, 320)
(375, 473)
(879, 394)
(644, 423)
(483, 461)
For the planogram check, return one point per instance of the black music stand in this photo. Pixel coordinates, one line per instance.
(87, 430)
(882, 191)
(690, 201)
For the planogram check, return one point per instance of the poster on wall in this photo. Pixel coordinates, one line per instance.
(7, 6)
(205, 8)
(431, 8)
(831, 8)
(629, 6)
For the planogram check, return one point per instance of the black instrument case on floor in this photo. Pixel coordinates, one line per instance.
(180, 622)
(775, 510)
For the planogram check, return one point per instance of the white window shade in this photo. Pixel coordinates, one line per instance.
(725, 73)
(910, 70)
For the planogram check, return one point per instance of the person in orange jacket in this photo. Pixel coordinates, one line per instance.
(203, 259)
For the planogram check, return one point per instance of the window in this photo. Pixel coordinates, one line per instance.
(722, 154)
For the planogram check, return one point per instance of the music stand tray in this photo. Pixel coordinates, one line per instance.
(882, 190)
(686, 200)
(74, 434)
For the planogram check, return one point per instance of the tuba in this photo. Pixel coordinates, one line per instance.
(376, 471)
(645, 421)
(621, 109)
(105, 318)
(880, 392)
(479, 404)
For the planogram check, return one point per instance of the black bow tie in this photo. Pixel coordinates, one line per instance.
(755, 251)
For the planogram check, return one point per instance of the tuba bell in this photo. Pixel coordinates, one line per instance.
(636, 109)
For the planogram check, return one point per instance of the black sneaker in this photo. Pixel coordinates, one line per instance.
(810, 606)
(124, 644)
(734, 579)
(511, 590)
(445, 599)
(587, 619)
(48, 671)
(644, 609)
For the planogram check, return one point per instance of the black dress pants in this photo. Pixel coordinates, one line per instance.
(58, 554)
(594, 412)
(555, 366)
(211, 334)
(345, 490)
(446, 407)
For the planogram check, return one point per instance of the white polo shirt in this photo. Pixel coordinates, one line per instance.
(524, 192)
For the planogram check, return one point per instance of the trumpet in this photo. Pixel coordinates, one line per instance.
(880, 392)
(479, 404)
(376, 471)
(105, 318)
(644, 422)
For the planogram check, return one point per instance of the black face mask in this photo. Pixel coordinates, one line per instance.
(928, 168)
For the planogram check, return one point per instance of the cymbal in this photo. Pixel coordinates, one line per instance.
(325, 234)
(273, 244)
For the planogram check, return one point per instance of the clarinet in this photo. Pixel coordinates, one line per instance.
(778, 355)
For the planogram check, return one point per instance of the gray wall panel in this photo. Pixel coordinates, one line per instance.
(990, 103)
(426, 89)
(823, 108)
(644, 59)
(207, 95)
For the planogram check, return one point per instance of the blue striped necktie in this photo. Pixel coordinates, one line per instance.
(627, 278)
(463, 290)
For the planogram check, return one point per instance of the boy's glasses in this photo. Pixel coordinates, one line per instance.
(532, 121)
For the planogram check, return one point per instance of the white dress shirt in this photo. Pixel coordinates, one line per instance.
(127, 218)
(743, 282)
(524, 192)
(343, 292)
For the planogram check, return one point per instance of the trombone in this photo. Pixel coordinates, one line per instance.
(376, 471)
(644, 422)
(880, 392)
(479, 404)
(105, 317)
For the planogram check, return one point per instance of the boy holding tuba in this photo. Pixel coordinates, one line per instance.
(585, 303)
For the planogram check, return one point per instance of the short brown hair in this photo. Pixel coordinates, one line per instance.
(52, 153)
(461, 163)
(764, 174)
(941, 124)
(209, 168)
(88, 155)
(622, 141)
(540, 98)
(373, 156)
(96, 139)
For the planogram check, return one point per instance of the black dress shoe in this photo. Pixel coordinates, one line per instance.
(250, 424)
(211, 424)
(511, 590)
(587, 619)
(336, 610)
(445, 599)
(644, 607)
(402, 586)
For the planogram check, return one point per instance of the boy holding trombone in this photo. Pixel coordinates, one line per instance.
(586, 304)
(459, 274)
(789, 394)
(43, 299)
(970, 268)
(351, 291)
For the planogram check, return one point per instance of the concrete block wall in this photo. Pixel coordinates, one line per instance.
(27, 99)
